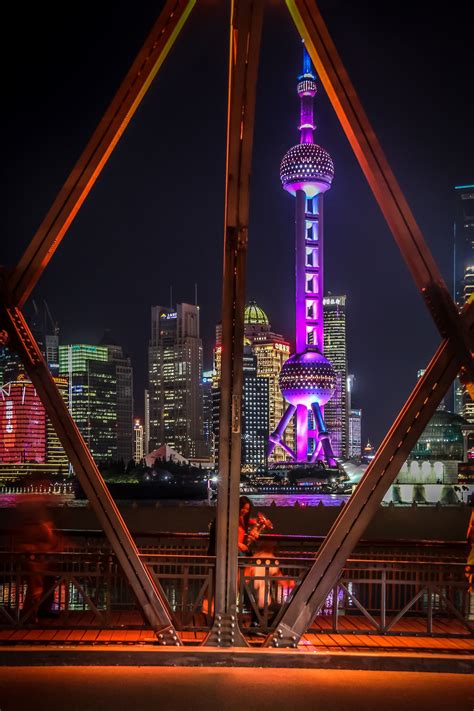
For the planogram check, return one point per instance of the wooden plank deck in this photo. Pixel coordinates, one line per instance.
(354, 634)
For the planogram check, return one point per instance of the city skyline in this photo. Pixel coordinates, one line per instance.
(128, 223)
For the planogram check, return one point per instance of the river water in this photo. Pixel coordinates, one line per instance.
(259, 500)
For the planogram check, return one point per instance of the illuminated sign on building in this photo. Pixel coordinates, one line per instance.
(169, 316)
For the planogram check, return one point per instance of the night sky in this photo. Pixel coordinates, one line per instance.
(154, 218)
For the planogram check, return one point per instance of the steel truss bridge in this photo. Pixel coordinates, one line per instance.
(321, 574)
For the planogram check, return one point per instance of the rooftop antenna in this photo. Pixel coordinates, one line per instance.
(195, 294)
(171, 297)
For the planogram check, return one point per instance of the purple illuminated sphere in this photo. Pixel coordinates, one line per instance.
(307, 377)
(307, 167)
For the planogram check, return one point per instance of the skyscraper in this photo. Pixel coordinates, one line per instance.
(207, 377)
(336, 412)
(138, 453)
(307, 378)
(255, 392)
(271, 351)
(255, 415)
(92, 396)
(354, 433)
(124, 378)
(175, 380)
(463, 275)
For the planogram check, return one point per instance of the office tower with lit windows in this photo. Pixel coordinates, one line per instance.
(336, 412)
(307, 379)
(255, 415)
(175, 380)
(138, 452)
(146, 427)
(124, 377)
(355, 433)
(207, 377)
(92, 396)
(354, 424)
(271, 351)
(255, 392)
(463, 275)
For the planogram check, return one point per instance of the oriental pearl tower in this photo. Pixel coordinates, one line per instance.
(307, 379)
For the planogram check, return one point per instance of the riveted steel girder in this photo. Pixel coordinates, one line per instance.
(245, 33)
(104, 139)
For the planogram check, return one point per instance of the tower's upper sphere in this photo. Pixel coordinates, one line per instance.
(307, 377)
(307, 167)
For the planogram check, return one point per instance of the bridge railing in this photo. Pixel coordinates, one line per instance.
(379, 595)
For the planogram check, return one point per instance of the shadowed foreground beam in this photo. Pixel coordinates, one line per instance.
(245, 33)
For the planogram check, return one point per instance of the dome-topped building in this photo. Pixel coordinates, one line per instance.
(255, 315)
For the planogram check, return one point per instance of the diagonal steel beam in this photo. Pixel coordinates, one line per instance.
(364, 502)
(149, 594)
(376, 169)
(454, 353)
(245, 33)
(106, 136)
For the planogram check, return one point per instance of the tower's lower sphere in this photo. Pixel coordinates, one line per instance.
(307, 377)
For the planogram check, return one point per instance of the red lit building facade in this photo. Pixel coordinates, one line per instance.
(22, 424)
(28, 441)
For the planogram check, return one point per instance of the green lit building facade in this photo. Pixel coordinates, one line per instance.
(92, 396)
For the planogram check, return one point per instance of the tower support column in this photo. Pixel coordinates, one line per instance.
(301, 433)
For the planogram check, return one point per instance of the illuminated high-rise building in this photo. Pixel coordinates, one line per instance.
(175, 380)
(354, 430)
(207, 378)
(124, 377)
(271, 351)
(92, 396)
(336, 412)
(138, 453)
(355, 433)
(255, 411)
(28, 441)
(307, 378)
(23, 422)
(463, 275)
(146, 429)
(255, 395)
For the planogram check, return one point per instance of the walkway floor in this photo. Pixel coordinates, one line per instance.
(354, 635)
(211, 689)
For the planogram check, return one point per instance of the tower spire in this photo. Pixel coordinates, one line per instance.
(306, 91)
